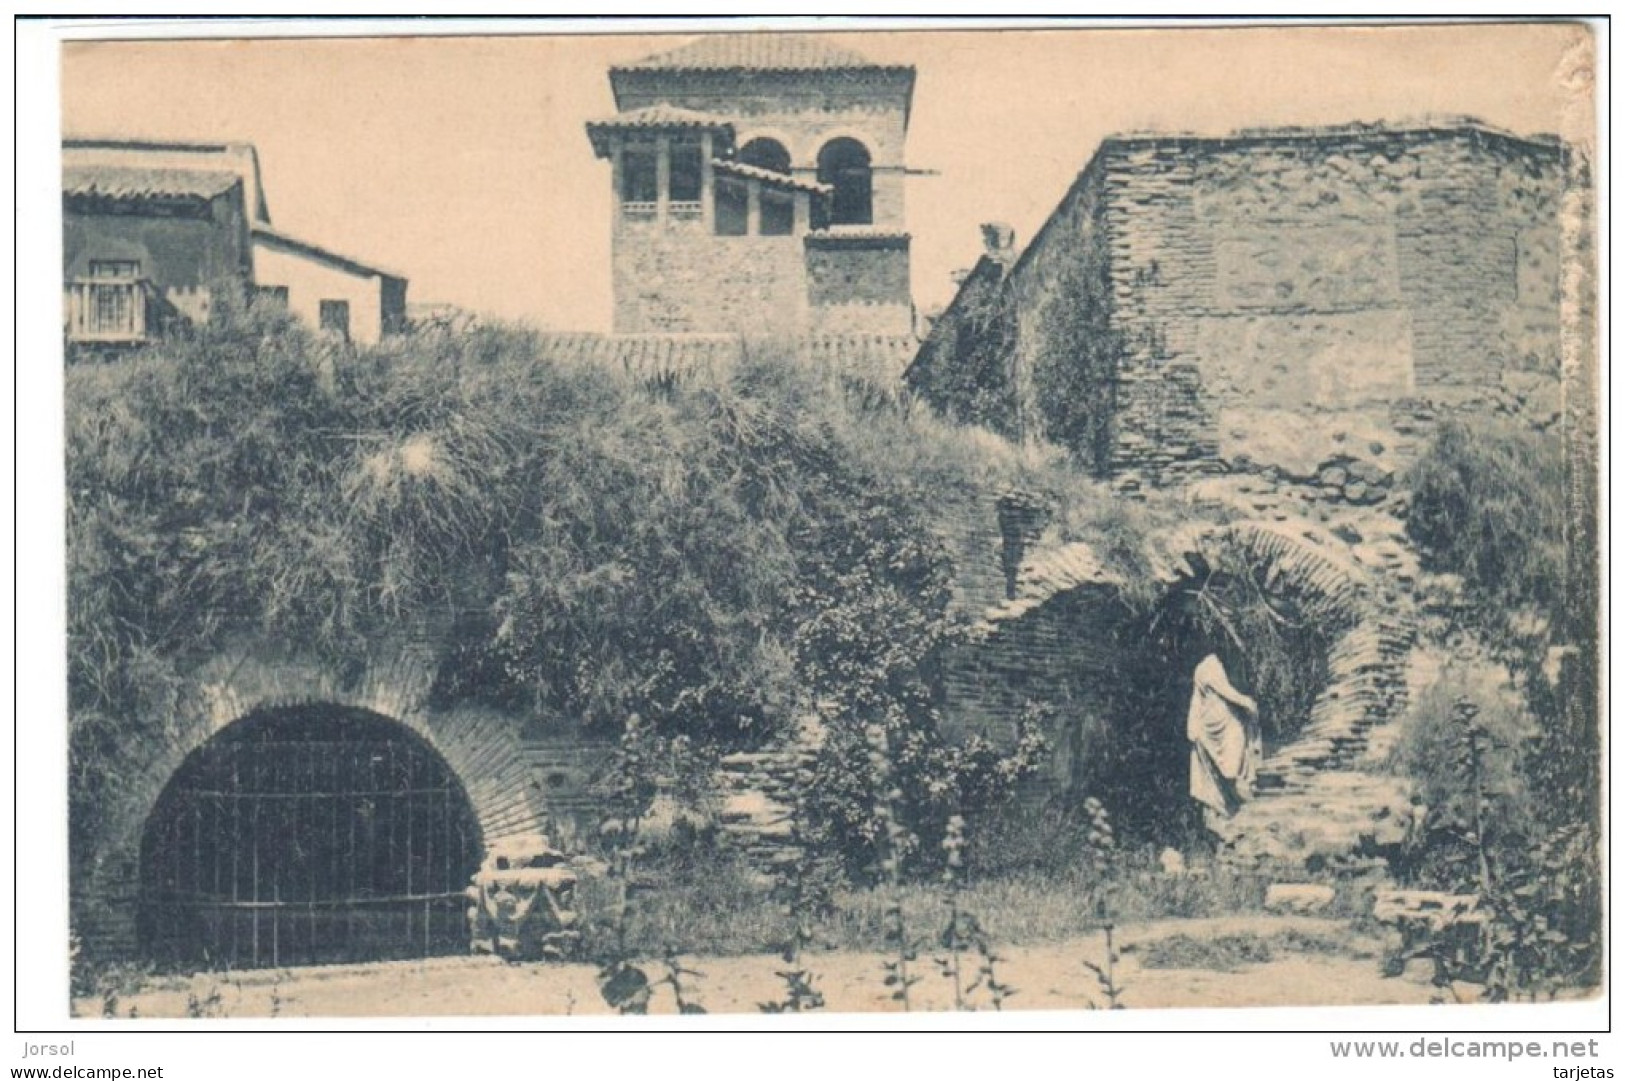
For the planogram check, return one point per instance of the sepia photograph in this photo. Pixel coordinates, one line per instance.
(829, 517)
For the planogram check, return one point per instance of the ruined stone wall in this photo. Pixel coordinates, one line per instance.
(1062, 656)
(1282, 298)
(684, 280)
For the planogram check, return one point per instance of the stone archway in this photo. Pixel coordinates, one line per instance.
(307, 835)
(1322, 651)
(480, 747)
(1367, 645)
(1319, 796)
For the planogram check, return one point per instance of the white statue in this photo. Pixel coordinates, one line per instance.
(1226, 745)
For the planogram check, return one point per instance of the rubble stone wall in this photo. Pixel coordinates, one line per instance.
(684, 280)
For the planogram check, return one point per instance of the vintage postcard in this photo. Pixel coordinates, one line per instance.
(830, 518)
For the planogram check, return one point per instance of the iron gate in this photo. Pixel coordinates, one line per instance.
(308, 836)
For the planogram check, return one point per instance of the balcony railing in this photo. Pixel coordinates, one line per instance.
(111, 311)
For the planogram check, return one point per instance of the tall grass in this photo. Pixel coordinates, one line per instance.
(598, 546)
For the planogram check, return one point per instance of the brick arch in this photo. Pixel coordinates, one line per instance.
(746, 136)
(480, 745)
(1366, 661)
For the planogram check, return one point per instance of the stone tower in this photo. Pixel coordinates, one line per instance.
(758, 186)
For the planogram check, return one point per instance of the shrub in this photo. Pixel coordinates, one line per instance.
(1511, 778)
(1430, 752)
(1487, 503)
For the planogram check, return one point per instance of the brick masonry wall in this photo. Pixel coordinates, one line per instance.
(1044, 657)
(684, 280)
(1277, 298)
(1285, 299)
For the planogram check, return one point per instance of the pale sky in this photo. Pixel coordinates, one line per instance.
(462, 162)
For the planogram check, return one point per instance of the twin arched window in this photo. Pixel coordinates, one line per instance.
(843, 163)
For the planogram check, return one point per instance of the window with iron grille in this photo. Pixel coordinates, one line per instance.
(308, 835)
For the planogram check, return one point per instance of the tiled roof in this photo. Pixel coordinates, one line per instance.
(657, 118)
(857, 236)
(759, 52)
(880, 356)
(304, 248)
(769, 176)
(644, 355)
(139, 182)
(182, 155)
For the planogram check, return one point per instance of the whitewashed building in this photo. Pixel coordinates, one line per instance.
(336, 294)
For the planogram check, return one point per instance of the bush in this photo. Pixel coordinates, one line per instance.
(1430, 752)
(1487, 503)
(1511, 777)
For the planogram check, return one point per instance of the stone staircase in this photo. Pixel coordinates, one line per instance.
(758, 794)
(1322, 800)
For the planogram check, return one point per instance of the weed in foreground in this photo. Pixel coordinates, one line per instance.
(1102, 846)
(903, 946)
(964, 933)
(207, 1006)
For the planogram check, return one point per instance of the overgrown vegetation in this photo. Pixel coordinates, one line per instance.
(1506, 751)
(717, 557)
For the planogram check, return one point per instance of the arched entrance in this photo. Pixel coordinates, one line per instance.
(1294, 628)
(307, 835)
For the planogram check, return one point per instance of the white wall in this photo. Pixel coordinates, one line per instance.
(310, 281)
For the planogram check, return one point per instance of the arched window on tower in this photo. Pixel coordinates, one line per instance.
(766, 153)
(844, 165)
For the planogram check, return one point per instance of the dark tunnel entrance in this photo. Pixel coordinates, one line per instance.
(1271, 650)
(310, 835)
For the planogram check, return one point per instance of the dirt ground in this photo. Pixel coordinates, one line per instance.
(1295, 961)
